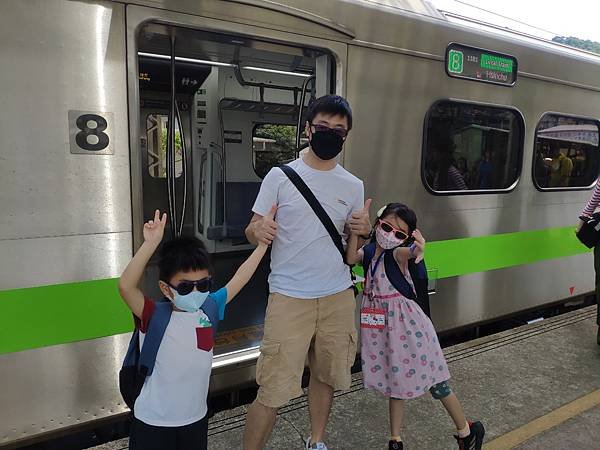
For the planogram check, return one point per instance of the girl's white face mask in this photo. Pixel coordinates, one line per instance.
(387, 240)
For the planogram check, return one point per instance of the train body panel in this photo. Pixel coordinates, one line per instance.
(75, 202)
(66, 216)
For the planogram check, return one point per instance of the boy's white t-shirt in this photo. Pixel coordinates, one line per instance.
(176, 392)
(304, 260)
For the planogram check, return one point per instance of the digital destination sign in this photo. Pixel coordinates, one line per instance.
(477, 64)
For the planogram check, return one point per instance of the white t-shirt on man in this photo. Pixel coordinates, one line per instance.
(304, 260)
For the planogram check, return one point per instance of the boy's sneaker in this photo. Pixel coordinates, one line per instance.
(395, 445)
(316, 445)
(474, 440)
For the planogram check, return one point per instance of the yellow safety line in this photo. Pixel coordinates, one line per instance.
(544, 423)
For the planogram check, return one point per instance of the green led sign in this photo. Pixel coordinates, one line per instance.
(476, 64)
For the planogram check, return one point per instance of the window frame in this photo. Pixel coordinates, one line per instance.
(159, 113)
(559, 189)
(521, 142)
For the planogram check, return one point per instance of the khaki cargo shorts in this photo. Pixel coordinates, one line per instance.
(321, 329)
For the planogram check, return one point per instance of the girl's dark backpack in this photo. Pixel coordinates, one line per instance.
(418, 273)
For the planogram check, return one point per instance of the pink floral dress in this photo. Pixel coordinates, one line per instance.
(404, 359)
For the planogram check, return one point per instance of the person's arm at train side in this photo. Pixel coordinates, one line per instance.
(131, 276)
(247, 269)
(591, 205)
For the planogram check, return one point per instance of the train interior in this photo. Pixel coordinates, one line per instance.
(566, 152)
(237, 104)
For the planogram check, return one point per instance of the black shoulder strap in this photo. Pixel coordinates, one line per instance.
(396, 277)
(316, 207)
(418, 273)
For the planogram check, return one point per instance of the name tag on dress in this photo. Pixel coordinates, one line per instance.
(372, 318)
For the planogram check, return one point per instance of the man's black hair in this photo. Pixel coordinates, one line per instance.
(182, 254)
(332, 105)
(402, 212)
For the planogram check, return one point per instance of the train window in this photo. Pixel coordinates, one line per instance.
(156, 141)
(471, 147)
(272, 144)
(565, 152)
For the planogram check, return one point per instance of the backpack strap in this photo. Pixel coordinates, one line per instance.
(418, 273)
(153, 337)
(396, 276)
(132, 356)
(368, 254)
(316, 207)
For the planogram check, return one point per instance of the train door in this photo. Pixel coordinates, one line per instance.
(216, 112)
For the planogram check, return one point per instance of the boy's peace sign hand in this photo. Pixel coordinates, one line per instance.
(419, 249)
(155, 229)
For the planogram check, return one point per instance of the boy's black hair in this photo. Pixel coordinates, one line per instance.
(333, 105)
(182, 254)
(403, 212)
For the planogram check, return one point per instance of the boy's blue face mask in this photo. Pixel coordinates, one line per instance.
(191, 302)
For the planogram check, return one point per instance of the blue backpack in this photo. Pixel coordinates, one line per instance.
(137, 364)
(418, 273)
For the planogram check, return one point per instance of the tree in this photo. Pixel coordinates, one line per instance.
(163, 153)
(283, 150)
(590, 46)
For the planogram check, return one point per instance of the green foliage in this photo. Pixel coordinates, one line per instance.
(591, 46)
(283, 150)
(163, 142)
(163, 152)
(284, 135)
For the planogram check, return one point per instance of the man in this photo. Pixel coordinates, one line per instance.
(311, 309)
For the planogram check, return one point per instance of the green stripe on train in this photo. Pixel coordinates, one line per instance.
(48, 315)
(480, 254)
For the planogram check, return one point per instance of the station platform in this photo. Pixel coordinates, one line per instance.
(533, 387)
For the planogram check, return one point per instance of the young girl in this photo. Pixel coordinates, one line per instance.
(401, 354)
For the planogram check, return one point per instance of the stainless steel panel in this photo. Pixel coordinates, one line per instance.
(384, 148)
(55, 387)
(44, 261)
(411, 29)
(69, 56)
(69, 385)
(484, 296)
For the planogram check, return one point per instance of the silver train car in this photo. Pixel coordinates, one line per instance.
(111, 109)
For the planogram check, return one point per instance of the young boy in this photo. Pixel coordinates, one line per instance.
(170, 412)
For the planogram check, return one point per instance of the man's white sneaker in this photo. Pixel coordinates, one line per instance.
(316, 445)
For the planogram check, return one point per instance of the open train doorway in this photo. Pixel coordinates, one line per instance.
(217, 112)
